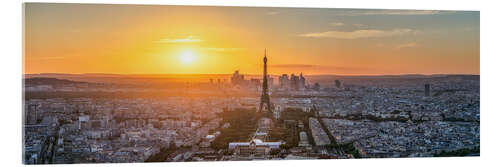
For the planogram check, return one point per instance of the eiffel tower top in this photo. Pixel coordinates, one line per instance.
(265, 55)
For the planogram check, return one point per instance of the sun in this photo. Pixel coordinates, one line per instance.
(187, 57)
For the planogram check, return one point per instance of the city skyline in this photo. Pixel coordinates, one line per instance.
(143, 39)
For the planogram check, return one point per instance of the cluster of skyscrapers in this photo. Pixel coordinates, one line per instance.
(238, 79)
(293, 82)
(285, 82)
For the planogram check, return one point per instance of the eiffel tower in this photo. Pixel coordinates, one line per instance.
(264, 98)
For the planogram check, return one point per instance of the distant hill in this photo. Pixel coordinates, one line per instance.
(162, 79)
(50, 81)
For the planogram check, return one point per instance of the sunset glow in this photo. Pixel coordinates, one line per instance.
(130, 39)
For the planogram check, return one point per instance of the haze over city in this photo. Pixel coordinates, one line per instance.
(142, 39)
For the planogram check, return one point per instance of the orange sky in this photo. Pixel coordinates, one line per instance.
(138, 39)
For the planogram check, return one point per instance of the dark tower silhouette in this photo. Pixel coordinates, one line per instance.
(264, 98)
(427, 89)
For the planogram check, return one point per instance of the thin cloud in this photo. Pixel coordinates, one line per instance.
(189, 39)
(369, 33)
(406, 45)
(293, 66)
(313, 67)
(392, 12)
(272, 13)
(359, 25)
(223, 49)
(337, 24)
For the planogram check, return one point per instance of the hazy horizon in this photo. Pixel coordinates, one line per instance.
(251, 74)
